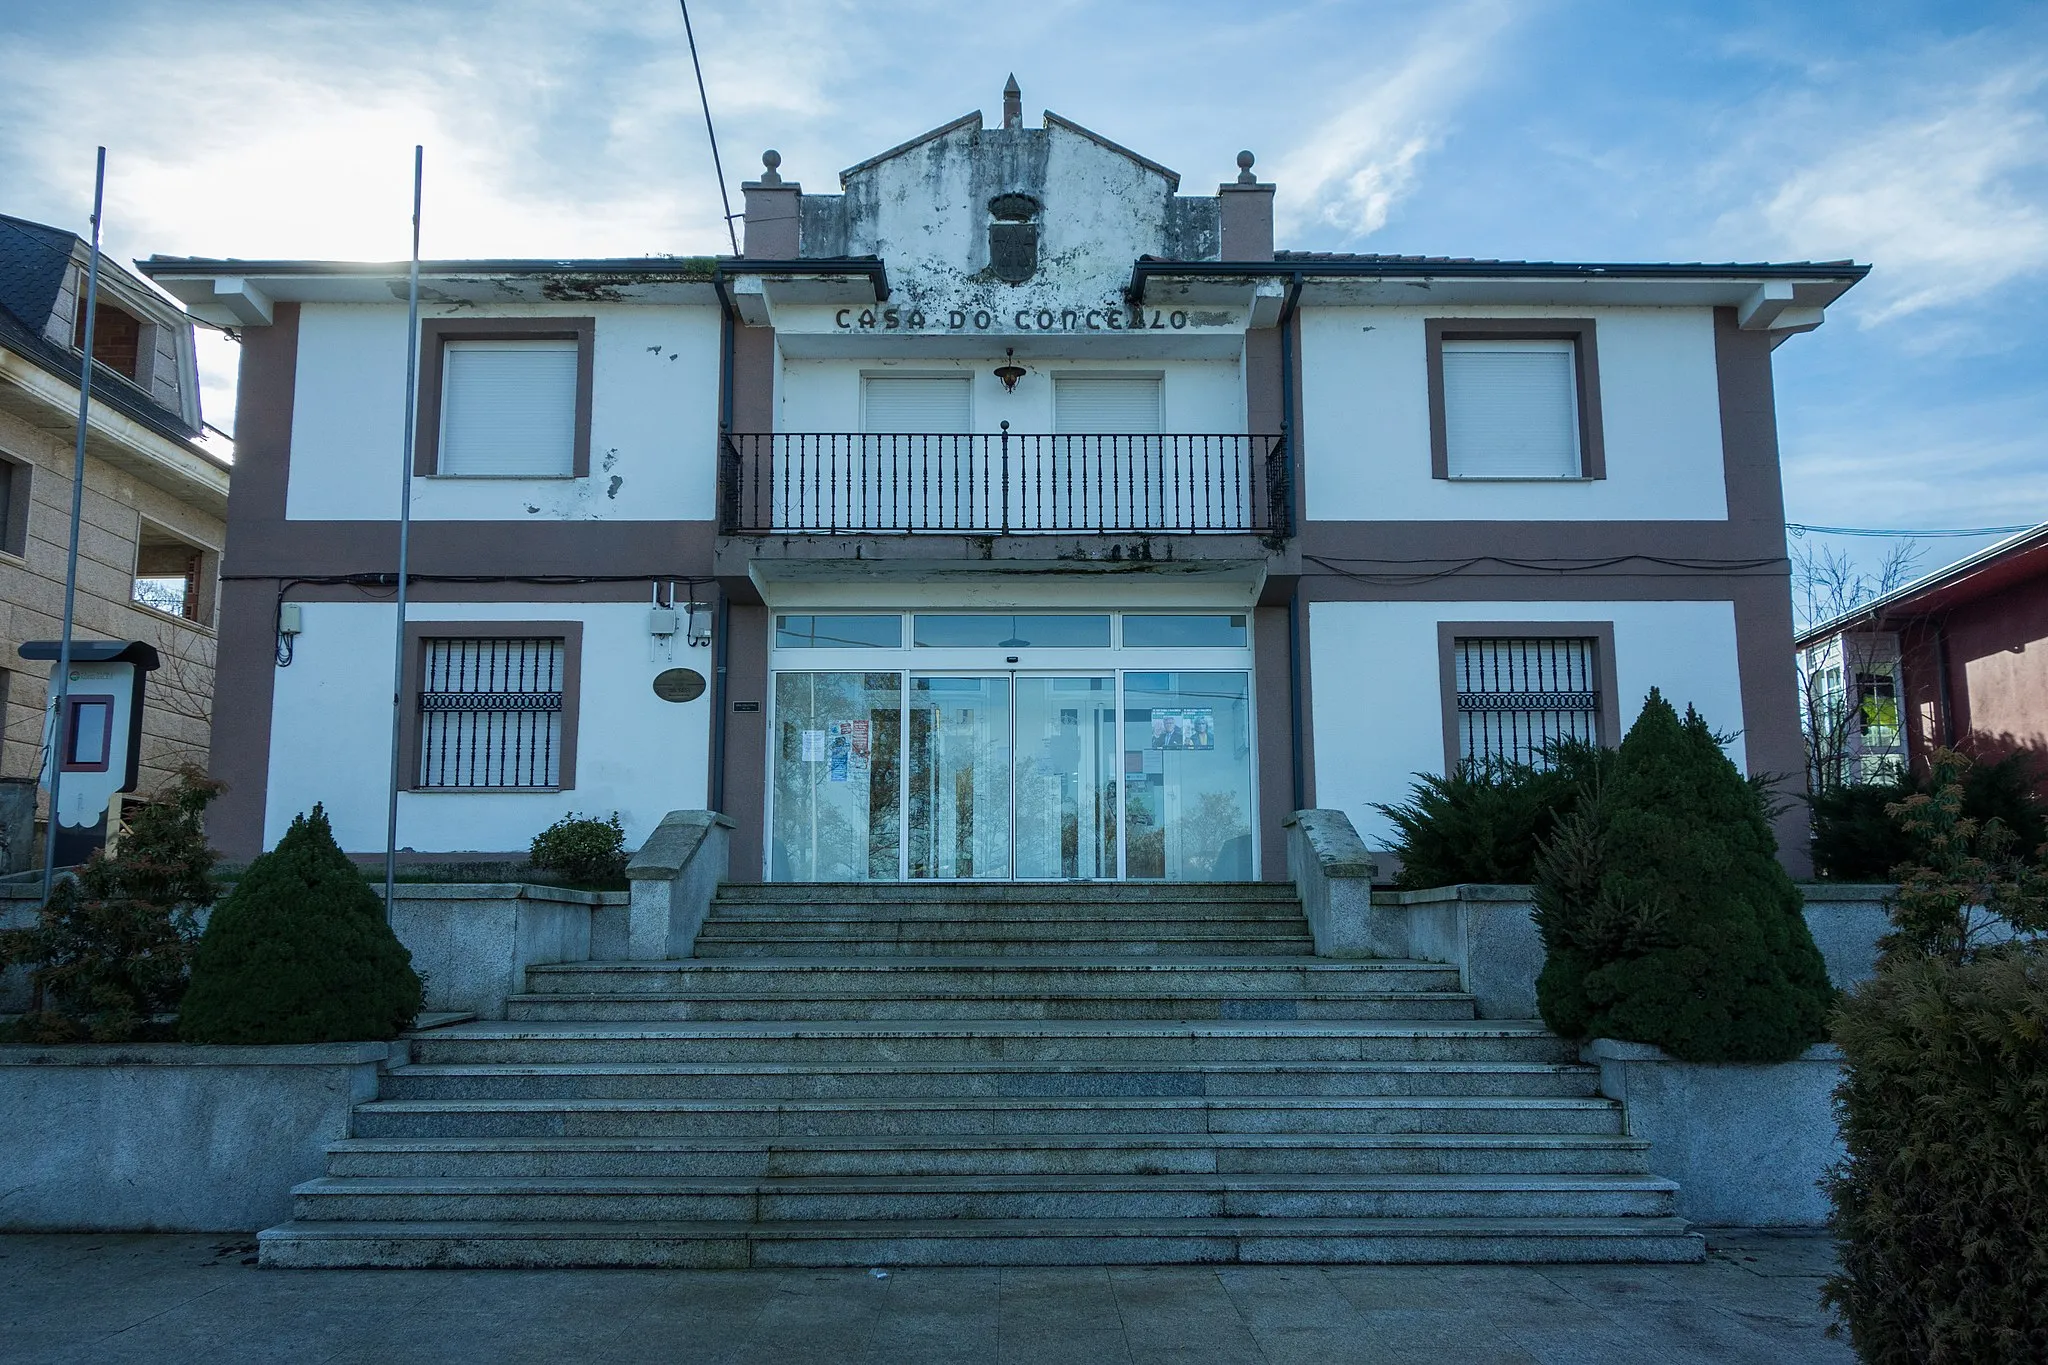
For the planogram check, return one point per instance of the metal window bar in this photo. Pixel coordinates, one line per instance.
(1518, 697)
(860, 483)
(491, 713)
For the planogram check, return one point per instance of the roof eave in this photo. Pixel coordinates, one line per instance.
(1880, 609)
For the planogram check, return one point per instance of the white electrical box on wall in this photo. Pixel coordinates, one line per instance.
(98, 739)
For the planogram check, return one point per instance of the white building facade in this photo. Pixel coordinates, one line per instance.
(1007, 515)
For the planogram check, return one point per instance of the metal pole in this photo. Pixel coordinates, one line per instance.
(710, 136)
(57, 717)
(412, 366)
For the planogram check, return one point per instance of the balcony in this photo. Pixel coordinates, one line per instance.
(838, 483)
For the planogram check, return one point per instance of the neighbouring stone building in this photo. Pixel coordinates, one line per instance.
(155, 508)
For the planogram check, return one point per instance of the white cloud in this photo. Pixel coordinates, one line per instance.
(1948, 198)
(1364, 156)
(550, 129)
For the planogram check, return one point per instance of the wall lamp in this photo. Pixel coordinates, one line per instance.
(1010, 372)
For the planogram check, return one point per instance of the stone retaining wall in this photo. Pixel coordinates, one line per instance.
(165, 1137)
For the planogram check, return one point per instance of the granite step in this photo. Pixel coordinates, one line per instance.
(1074, 925)
(1045, 975)
(937, 1004)
(1118, 1154)
(1076, 1040)
(922, 1116)
(962, 1080)
(1187, 895)
(559, 1243)
(985, 1196)
(1046, 912)
(712, 944)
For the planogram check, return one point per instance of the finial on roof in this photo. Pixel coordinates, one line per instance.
(1244, 169)
(1013, 103)
(771, 159)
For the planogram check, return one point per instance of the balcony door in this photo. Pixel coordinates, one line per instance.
(913, 469)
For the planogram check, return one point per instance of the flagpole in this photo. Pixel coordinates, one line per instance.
(412, 366)
(57, 734)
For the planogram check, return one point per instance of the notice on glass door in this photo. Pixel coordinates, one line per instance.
(814, 746)
(1184, 728)
(846, 751)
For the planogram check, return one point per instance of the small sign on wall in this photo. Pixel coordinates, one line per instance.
(679, 684)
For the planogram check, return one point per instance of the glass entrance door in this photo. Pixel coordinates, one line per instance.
(917, 745)
(1065, 781)
(1011, 775)
(958, 812)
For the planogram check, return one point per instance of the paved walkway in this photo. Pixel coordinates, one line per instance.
(173, 1299)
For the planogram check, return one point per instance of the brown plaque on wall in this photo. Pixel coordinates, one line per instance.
(679, 684)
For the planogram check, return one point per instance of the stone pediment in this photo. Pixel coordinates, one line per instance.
(972, 217)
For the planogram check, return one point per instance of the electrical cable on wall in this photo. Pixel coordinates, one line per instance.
(1393, 575)
(368, 583)
(1802, 529)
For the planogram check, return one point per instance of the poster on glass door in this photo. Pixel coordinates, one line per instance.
(1184, 728)
(846, 751)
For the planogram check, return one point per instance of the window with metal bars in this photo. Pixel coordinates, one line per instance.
(491, 713)
(1518, 697)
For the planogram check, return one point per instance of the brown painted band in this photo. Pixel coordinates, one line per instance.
(1393, 547)
(245, 662)
(275, 548)
(1578, 331)
(570, 633)
(435, 333)
(497, 590)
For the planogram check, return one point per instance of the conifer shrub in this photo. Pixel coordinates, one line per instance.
(1941, 1208)
(1483, 822)
(1665, 915)
(1941, 1205)
(1855, 838)
(112, 949)
(299, 952)
(582, 849)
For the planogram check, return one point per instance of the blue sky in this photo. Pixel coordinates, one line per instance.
(1910, 136)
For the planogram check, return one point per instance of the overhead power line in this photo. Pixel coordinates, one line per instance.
(1944, 533)
(717, 167)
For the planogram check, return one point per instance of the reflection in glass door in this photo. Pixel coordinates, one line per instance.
(958, 814)
(1065, 798)
(1188, 776)
(1137, 773)
(836, 812)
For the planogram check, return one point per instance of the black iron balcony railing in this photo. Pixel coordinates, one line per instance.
(1007, 484)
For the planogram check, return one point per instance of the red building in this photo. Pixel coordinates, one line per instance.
(1958, 658)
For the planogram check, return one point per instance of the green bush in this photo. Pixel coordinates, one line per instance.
(582, 848)
(299, 952)
(1941, 1209)
(1665, 915)
(113, 948)
(1483, 822)
(1856, 840)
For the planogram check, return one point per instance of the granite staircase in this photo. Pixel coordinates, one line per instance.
(987, 1074)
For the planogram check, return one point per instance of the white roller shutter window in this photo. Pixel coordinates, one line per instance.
(1105, 406)
(508, 408)
(916, 405)
(1511, 410)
